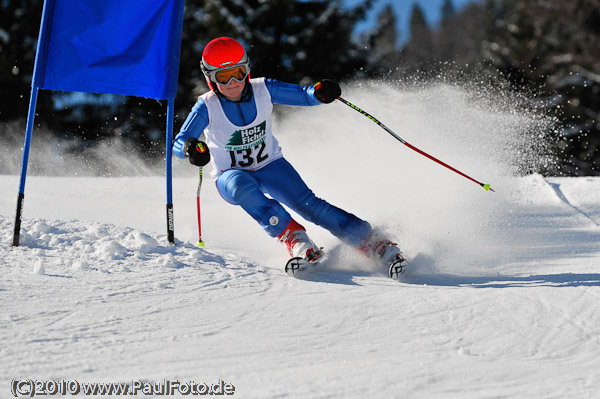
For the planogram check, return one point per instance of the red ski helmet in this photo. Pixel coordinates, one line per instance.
(224, 59)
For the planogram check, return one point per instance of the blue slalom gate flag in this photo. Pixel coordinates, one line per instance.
(128, 47)
(111, 46)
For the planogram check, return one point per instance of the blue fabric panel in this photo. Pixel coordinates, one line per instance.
(111, 46)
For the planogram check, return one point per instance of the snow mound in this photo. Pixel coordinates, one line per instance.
(67, 248)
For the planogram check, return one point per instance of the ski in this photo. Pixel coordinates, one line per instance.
(298, 265)
(397, 268)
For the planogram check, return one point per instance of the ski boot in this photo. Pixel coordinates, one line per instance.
(303, 250)
(386, 253)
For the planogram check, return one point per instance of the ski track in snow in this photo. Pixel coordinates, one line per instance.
(502, 298)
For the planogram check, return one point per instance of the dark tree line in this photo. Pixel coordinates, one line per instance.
(295, 41)
(549, 49)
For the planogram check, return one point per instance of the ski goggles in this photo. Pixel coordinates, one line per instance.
(226, 75)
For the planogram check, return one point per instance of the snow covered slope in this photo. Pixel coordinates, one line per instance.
(501, 301)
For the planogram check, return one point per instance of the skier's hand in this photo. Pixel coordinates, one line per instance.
(197, 151)
(327, 91)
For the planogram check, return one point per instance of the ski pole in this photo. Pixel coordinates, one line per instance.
(486, 187)
(200, 243)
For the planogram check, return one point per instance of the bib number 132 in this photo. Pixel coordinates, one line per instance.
(247, 157)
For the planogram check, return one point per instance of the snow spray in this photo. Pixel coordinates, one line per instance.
(431, 212)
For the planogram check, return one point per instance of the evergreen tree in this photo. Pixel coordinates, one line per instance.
(418, 23)
(19, 29)
(448, 10)
(461, 35)
(295, 41)
(417, 53)
(387, 34)
(551, 48)
(383, 43)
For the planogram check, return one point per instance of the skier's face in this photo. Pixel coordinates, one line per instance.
(233, 91)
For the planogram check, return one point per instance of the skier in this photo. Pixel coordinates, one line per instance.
(235, 118)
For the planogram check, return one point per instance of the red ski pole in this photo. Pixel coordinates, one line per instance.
(200, 243)
(486, 187)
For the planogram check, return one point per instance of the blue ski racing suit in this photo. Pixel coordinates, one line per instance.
(258, 178)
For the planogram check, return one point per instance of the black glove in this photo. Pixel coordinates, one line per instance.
(327, 91)
(196, 151)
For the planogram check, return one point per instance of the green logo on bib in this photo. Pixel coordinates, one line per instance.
(247, 138)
